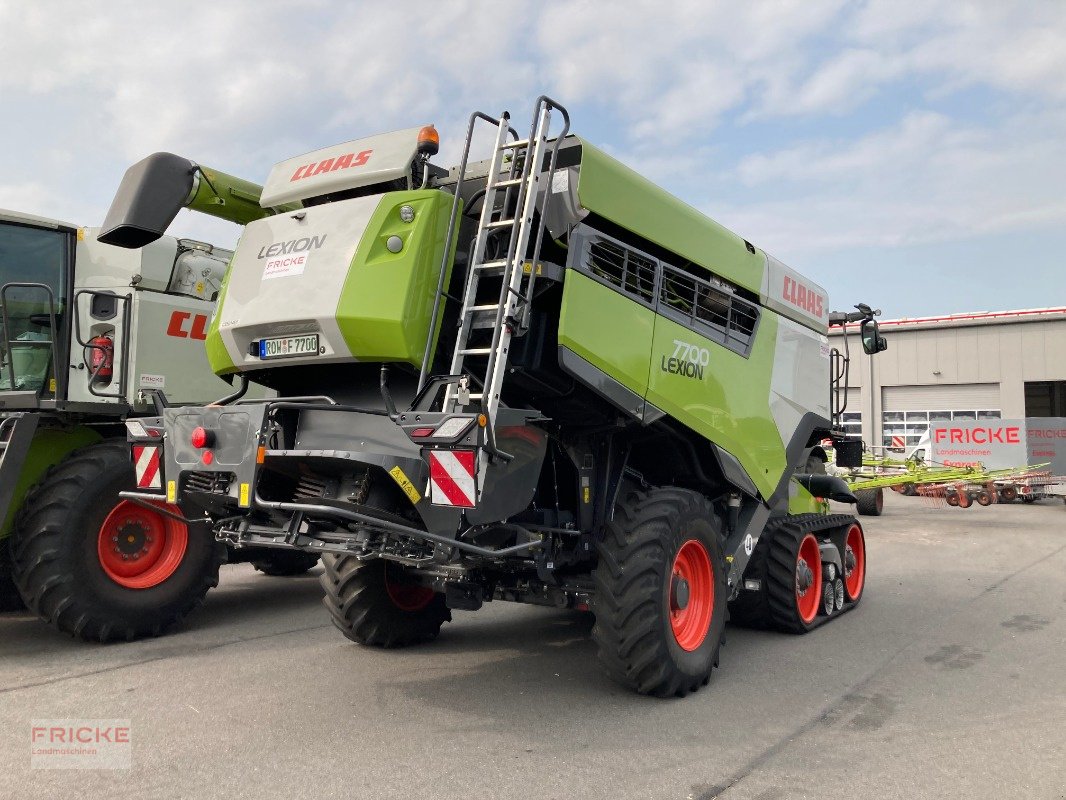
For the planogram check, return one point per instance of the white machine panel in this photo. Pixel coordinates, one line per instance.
(361, 162)
(796, 297)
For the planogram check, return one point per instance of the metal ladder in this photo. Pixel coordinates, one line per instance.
(506, 313)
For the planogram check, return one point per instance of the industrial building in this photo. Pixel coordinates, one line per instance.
(987, 365)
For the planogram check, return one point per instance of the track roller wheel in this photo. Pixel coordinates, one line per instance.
(660, 599)
(102, 568)
(376, 603)
(871, 502)
(854, 563)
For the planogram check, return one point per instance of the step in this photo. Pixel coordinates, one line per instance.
(515, 144)
(501, 223)
(476, 351)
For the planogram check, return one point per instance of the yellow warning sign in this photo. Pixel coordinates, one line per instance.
(243, 501)
(172, 491)
(52, 385)
(405, 483)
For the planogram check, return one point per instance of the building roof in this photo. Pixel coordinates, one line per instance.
(969, 319)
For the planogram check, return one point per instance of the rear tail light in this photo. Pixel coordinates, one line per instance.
(201, 437)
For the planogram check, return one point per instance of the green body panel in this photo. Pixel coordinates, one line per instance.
(614, 191)
(230, 198)
(49, 447)
(728, 401)
(801, 501)
(385, 306)
(607, 329)
(217, 354)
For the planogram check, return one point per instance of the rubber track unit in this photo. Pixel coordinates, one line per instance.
(773, 564)
(632, 630)
(57, 569)
(285, 563)
(359, 604)
(871, 502)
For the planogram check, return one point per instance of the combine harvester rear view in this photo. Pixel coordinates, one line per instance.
(536, 378)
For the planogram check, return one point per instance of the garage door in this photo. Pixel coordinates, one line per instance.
(961, 396)
(907, 411)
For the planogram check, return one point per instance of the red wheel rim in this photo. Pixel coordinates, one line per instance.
(854, 562)
(406, 596)
(808, 578)
(140, 548)
(690, 595)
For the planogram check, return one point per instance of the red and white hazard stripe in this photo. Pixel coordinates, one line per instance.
(898, 442)
(451, 478)
(146, 465)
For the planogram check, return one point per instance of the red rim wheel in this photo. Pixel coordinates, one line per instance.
(808, 578)
(407, 596)
(854, 563)
(140, 548)
(691, 595)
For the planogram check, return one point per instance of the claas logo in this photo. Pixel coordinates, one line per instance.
(800, 296)
(186, 325)
(331, 165)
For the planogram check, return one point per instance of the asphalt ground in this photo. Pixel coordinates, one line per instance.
(948, 680)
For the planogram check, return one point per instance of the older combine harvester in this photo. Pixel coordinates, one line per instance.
(536, 378)
(93, 335)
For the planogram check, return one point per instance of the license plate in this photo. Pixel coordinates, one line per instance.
(283, 346)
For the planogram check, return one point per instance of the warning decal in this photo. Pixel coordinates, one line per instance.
(146, 465)
(404, 483)
(451, 478)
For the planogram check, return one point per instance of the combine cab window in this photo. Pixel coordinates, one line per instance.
(29, 255)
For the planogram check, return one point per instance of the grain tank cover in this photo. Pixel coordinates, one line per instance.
(351, 165)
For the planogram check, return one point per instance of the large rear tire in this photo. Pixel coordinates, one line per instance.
(10, 599)
(661, 594)
(871, 502)
(101, 568)
(285, 563)
(373, 604)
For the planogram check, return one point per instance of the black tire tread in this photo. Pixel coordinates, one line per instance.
(361, 609)
(868, 504)
(628, 627)
(42, 534)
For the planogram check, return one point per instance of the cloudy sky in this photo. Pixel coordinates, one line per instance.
(906, 153)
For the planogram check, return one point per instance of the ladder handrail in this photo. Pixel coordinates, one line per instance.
(427, 356)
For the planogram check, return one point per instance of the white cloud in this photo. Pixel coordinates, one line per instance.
(808, 125)
(925, 179)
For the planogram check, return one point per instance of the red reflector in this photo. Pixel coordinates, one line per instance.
(208, 456)
(202, 437)
(419, 433)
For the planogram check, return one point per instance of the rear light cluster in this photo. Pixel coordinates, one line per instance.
(448, 430)
(203, 438)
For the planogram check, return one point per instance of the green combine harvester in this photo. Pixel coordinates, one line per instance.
(537, 378)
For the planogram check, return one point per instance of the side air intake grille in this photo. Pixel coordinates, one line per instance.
(708, 307)
(625, 269)
(692, 296)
